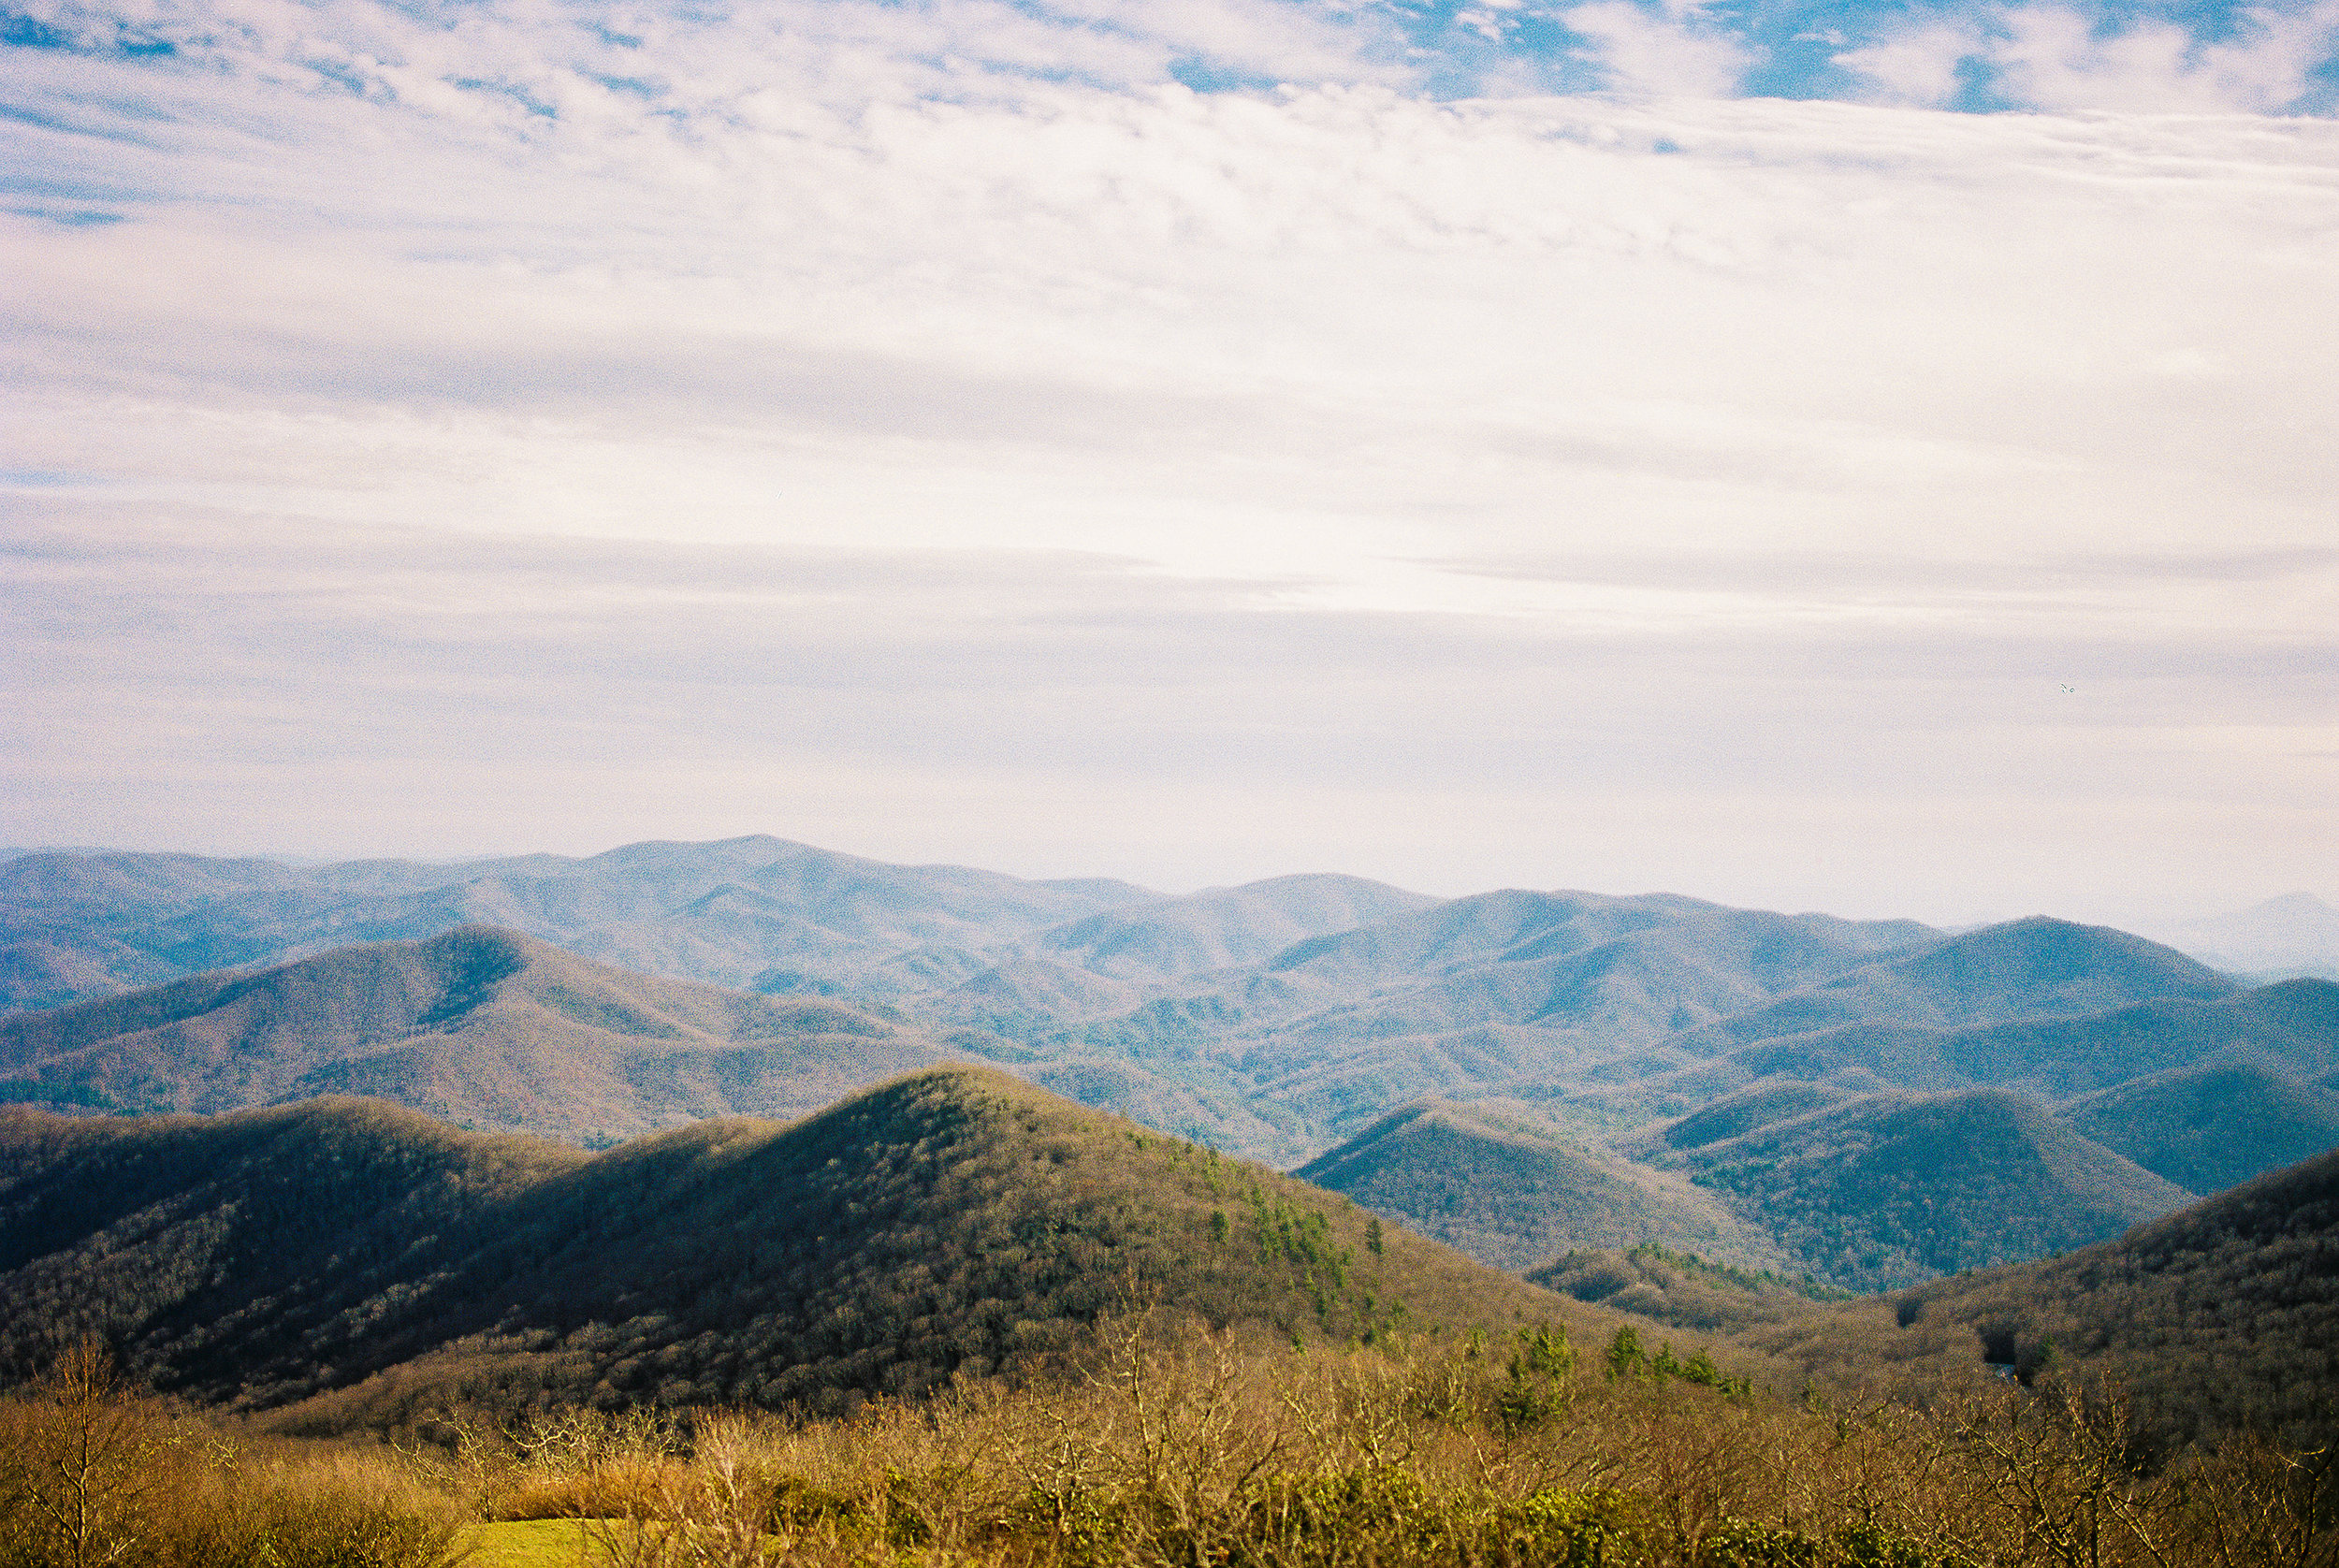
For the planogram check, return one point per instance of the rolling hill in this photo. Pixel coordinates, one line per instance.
(1685, 1289)
(1511, 1195)
(2290, 1028)
(1890, 1190)
(484, 1027)
(2210, 1128)
(344, 1263)
(1277, 1020)
(1473, 998)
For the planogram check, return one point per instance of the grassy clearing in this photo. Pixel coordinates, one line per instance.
(526, 1544)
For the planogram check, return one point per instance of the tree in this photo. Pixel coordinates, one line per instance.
(92, 1463)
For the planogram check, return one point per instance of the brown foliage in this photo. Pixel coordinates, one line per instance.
(93, 1475)
(1174, 1445)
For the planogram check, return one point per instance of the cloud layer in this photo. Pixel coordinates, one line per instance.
(941, 430)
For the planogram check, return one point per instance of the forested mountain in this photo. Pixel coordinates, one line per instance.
(361, 1258)
(2210, 1128)
(484, 1027)
(2023, 969)
(1473, 998)
(1890, 1190)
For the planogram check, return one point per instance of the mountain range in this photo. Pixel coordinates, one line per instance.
(1519, 1073)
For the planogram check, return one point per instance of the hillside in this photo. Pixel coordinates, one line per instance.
(1276, 1017)
(2223, 1316)
(184, 1241)
(954, 1220)
(483, 1027)
(1890, 1190)
(1511, 1195)
(1222, 928)
(2211, 1128)
(1276, 1020)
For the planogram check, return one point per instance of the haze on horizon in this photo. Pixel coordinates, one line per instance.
(1850, 459)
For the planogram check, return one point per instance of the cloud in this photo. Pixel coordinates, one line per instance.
(1669, 51)
(1917, 65)
(2062, 58)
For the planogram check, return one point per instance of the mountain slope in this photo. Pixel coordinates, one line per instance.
(1511, 1195)
(185, 1240)
(2222, 1317)
(1890, 1190)
(477, 1025)
(952, 1221)
(1223, 927)
(2213, 1127)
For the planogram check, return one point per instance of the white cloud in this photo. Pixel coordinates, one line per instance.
(1917, 65)
(2060, 58)
(2052, 58)
(1669, 52)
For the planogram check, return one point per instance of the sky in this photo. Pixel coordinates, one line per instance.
(1870, 458)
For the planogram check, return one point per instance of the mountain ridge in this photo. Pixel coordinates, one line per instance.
(478, 1024)
(341, 1263)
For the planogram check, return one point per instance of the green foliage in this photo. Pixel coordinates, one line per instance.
(1624, 1356)
(2220, 1318)
(1542, 1365)
(1745, 1544)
